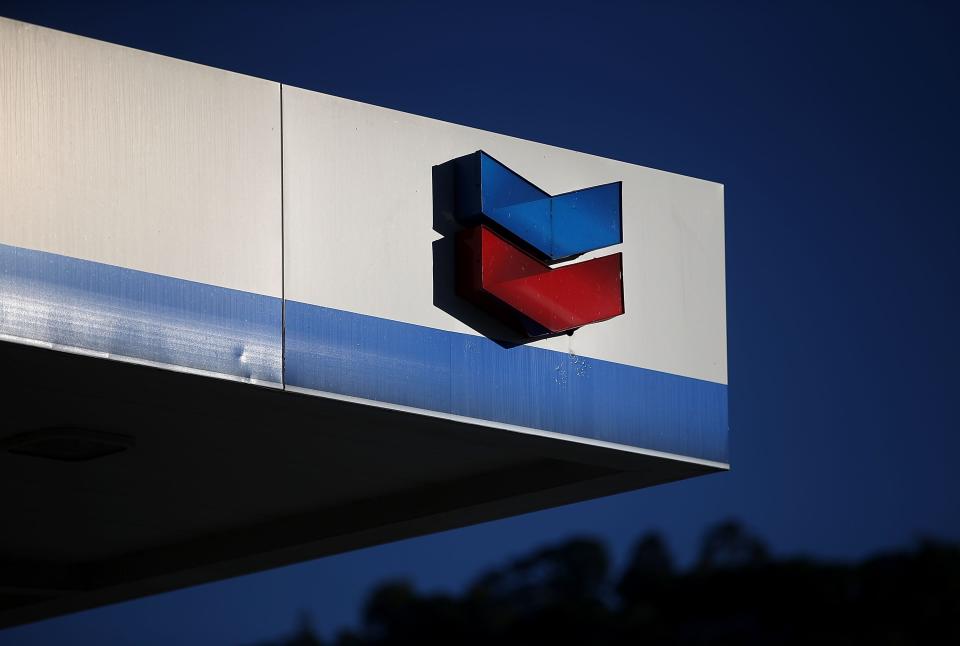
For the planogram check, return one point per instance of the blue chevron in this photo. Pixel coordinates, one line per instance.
(558, 227)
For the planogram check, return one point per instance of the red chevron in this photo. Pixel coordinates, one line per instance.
(491, 270)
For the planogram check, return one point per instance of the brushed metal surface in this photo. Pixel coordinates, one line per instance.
(359, 216)
(122, 314)
(532, 389)
(137, 160)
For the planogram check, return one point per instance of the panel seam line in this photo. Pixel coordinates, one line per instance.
(283, 262)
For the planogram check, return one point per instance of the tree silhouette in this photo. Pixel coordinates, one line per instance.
(736, 594)
(304, 635)
(649, 567)
(729, 545)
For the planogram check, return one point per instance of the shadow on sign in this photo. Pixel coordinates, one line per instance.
(445, 294)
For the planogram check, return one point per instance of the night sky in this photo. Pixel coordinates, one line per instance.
(834, 128)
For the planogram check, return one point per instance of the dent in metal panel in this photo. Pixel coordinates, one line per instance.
(461, 374)
(94, 308)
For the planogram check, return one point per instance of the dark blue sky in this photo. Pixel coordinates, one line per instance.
(835, 130)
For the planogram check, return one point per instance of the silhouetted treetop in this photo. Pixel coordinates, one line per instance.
(649, 566)
(571, 572)
(729, 545)
(736, 594)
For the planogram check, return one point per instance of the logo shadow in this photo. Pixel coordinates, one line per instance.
(445, 294)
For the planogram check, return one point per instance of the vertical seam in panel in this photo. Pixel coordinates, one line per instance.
(283, 261)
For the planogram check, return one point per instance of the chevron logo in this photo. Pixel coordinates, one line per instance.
(513, 231)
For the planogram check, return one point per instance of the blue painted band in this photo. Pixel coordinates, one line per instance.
(363, 356)
(94, 307)
(89, 306)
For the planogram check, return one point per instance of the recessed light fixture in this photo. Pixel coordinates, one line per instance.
(67, 444)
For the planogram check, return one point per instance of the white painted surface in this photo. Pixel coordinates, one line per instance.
(137, 160)
(358, 230)
(133, 159)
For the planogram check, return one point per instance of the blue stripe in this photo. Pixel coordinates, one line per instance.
(363, 356)
(101, 308)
